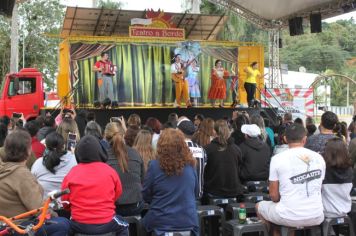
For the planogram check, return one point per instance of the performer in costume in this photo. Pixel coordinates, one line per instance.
(250, 82)
(181, 84)
(105, 72)
(193, 80)
(217, 89)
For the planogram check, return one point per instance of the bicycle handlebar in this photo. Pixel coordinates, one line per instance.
(42, 217)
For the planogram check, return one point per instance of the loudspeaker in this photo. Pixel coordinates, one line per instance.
(296, 26)
(280, 43)
(315, 23)
(6, 7)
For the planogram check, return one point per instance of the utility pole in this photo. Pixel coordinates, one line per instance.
(14, 58)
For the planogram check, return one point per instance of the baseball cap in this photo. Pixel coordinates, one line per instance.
(186, 126)
(251, 130)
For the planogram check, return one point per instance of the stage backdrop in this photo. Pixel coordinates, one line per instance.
(143, 77)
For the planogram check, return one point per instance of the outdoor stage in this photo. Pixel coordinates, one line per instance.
(103, 115)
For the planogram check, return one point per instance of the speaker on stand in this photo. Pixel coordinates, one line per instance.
(296, 26)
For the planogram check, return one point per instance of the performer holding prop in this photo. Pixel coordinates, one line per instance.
(217, 89)
(177, 71)
(105, 71)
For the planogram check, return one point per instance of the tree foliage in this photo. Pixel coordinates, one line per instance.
(37, 18)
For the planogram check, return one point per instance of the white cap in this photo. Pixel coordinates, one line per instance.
(251, 130)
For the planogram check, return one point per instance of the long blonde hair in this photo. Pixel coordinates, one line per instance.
(143, 145)
(114, 134)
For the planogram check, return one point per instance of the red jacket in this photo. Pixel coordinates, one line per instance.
(94, 188)
(37, 147)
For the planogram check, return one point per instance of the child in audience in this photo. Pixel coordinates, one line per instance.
(337, 184)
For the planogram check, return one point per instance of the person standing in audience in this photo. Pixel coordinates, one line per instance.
(129, 165)
(134, 120)
(171, 187)
(256, 155)
(337, 184)
(55, 164)
(130, 135)
(317, 142)
(295, 182)
(198, 118)
(68, 125)
(205, 132)
(143, 145)
(187, 127)
(286, 121)
(221, 174)
(94, 187)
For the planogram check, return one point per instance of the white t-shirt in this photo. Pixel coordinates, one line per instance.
(175, 67)
(299, 183)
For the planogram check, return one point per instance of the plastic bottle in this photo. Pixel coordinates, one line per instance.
(242, 214)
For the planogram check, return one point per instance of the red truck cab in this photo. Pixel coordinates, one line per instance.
(23, 92)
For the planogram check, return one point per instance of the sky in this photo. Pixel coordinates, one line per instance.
(169, 6)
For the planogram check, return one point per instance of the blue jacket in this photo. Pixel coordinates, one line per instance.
(172, 200)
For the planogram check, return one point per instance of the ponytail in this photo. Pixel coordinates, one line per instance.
(119, 148)
(338, 130)
(51, 159)
(54, 151)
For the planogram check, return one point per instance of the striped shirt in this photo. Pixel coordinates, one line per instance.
(200, 155)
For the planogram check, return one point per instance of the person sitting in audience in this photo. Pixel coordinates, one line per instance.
(238, 136)
(258, 120)
(130, 135)
(286, 121)
(49, 126)
(187, 127)
(171, 187)
(94, 129)
(205, 132)
(134, 120)
(198, 118)
(37, 147)
(317, 142)
(256, 155)
(94, 187)
(299, 120)
(129, 165)
(143, 145)
(337, 184)
(283, 146)
(55, 164)
(311, 128)
(156, 127)
(19, 190)
(295, 182)
(221, 174)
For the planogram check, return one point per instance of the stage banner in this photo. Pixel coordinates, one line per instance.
(298, 101)
(159, 33)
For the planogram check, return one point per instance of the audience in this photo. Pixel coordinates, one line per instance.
(143, 145)
(187, 127)
(295, 182)
(68, 125)
(55, 164)
(171, 187)
(37, 147)
(317, 142)
(198, 118)
(221, 174)
(129, 165)
(19, 190)
(94, 187)
(337, 184)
